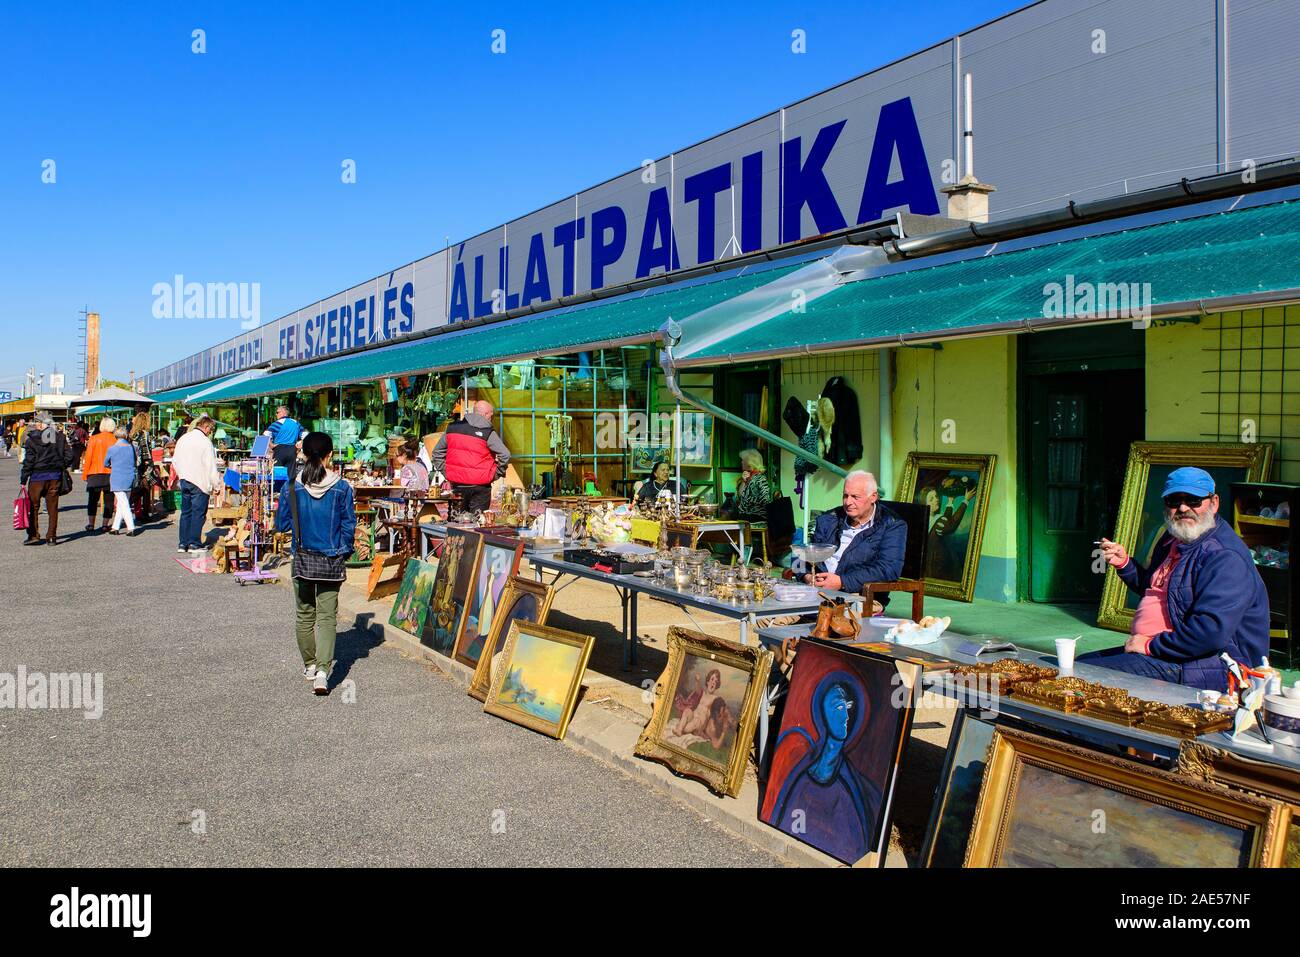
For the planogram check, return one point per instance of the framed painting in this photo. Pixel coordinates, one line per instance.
(457, 566)
(1041, 801)
(955, 492)
(522, 600)
(1208, 763)
(541, 673)
(645, 455)
(959, 791)
(498, 561)
(705, 709)
(411, 608)
(679, 536)
(1141, 518)
(835, 761)
(694, 442)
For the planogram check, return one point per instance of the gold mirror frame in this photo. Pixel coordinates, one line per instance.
(516, 585)
(1010, 750)
(1257, 458)
(652, 744)
(985, 464)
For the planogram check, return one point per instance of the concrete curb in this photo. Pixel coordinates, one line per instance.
(610, 737)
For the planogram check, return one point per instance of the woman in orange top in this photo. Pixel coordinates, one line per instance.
(96, 475)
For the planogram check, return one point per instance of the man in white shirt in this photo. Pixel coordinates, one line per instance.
(870, 539)
(195, 464)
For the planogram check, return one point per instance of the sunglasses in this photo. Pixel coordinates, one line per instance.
(1191, 501)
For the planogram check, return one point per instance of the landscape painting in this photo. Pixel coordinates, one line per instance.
(959, 791)
(1046, 803)
(411, 608)
(523, 600)
(541, 673)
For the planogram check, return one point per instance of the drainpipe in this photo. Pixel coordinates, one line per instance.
(672, 336)
(885, 378)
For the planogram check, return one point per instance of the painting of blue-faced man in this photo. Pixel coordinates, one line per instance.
(835, 758)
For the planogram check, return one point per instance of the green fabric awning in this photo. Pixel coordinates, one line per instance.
(182, 394)
(1241, 252)
(625, 320)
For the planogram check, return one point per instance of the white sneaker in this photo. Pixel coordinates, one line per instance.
(321, 684)
(198, 551)
(309, 672)
(182, 551)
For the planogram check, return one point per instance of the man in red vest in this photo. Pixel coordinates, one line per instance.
(472, 456)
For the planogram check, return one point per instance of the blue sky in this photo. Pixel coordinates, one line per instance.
(225, 166)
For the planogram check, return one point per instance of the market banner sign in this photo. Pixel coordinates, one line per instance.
(1054, 92)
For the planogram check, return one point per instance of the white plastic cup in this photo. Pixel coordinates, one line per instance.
(1065, 653)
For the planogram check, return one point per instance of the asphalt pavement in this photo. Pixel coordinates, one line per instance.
(212, 751)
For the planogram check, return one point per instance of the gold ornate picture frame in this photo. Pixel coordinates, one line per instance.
(536, 595)
(705, 709)
(1140, 519)
(540, 677)
(955, 527)
(1046, 803)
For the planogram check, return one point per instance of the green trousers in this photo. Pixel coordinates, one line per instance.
(318, 612)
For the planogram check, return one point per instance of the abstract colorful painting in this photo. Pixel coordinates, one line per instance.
(845, 719)
(411, 607)
(523, 600)
(541, 673)
(498, 561)
(706, 705)
(457, 567)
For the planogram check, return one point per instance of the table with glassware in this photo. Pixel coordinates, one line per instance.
(690, 581)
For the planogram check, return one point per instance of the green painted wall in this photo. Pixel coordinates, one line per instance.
(1210, 381)
(803, 379)
(966, 393)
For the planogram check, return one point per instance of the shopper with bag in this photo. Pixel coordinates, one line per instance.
(317, 506)
(120, 461)
(146, 475)
(47, 456)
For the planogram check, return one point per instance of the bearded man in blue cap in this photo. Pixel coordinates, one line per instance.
(1201, 596)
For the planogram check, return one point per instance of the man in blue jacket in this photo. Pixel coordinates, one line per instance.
(869, 539)
(1201, 597)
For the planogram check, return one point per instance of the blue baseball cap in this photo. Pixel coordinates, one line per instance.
(1190, 481)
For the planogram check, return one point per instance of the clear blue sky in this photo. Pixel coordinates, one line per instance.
(225, 166)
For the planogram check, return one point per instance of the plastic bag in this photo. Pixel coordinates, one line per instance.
(22, 512)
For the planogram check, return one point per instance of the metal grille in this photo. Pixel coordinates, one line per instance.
(1256, 365)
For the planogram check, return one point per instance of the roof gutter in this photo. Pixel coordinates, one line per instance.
(1181, 193)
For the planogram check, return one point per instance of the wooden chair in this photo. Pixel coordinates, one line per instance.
(912, 580)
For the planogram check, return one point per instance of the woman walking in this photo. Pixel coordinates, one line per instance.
(317, 506)
(95, 473)
(120, 462)
(46, 454)
(146, 476)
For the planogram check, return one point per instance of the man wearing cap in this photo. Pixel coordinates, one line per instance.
(1201, 597)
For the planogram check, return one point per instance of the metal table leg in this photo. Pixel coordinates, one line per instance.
(634, 638)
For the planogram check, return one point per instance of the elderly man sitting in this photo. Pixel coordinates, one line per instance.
(869, 539)
(1201, 596)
